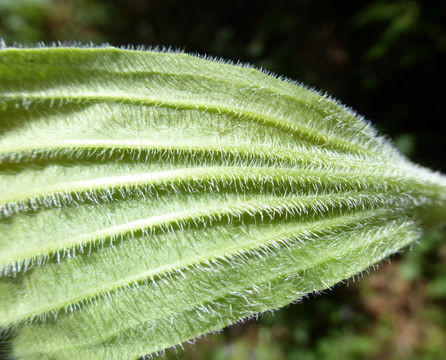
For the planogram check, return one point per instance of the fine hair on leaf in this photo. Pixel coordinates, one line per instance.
(150, 197)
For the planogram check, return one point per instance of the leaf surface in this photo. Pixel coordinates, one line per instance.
(149, 198)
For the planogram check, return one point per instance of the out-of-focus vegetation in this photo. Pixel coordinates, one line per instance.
(383, 58)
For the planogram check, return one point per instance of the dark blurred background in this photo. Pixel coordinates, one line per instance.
(386, 60)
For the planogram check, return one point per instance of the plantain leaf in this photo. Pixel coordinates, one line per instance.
(148, 198)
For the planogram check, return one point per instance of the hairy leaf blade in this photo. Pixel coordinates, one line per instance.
(148, 198)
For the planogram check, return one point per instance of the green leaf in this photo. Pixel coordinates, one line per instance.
(148, 198)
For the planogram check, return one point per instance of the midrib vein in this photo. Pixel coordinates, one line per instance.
(292, 205)
(215, 175)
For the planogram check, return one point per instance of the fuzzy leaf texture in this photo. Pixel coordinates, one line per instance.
(147, 198)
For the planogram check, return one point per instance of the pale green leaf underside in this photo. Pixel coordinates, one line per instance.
(148, 198)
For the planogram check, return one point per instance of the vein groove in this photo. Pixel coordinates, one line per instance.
(319, 138)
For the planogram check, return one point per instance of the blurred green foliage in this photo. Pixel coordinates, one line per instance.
(385, 59)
